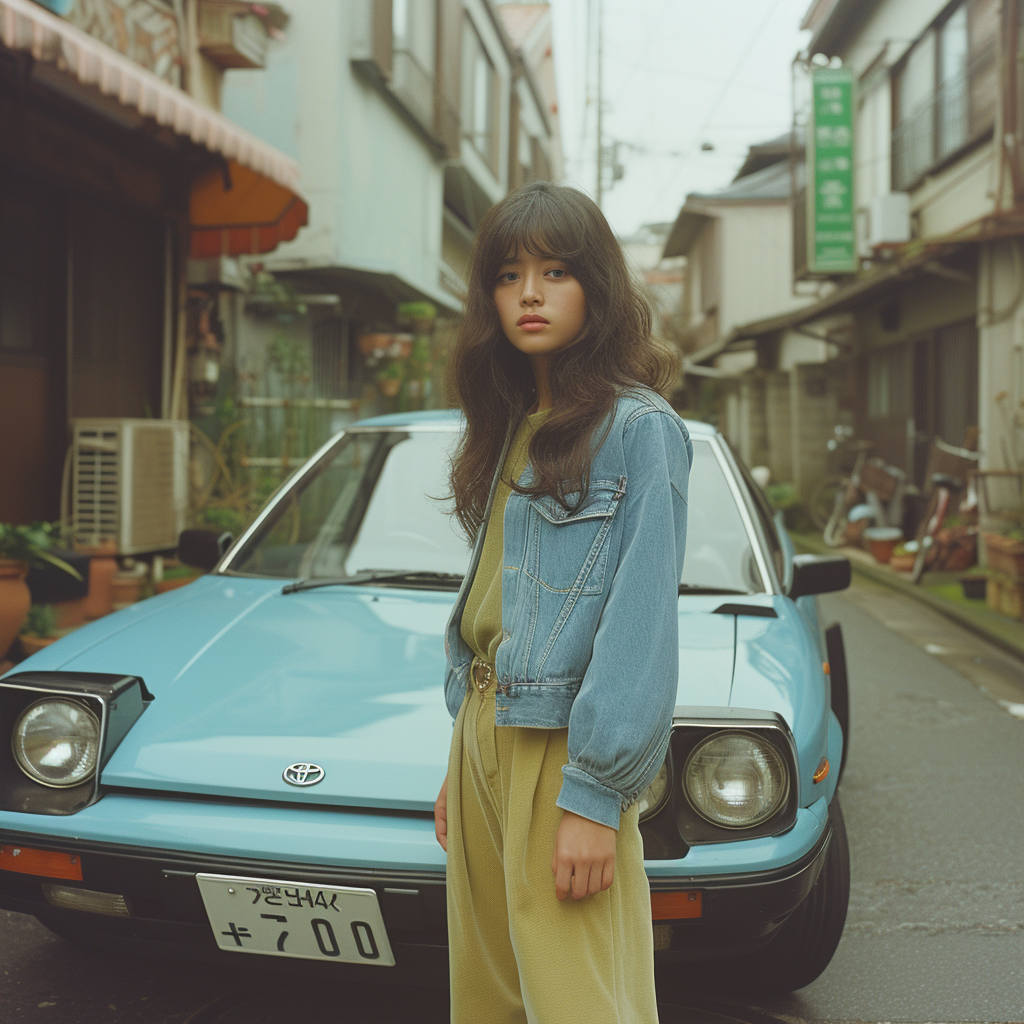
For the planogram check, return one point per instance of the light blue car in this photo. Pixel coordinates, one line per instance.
(248, 765)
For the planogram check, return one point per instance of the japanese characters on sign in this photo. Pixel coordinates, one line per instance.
(831, 246)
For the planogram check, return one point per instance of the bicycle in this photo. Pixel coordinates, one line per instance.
(873, 482)
(937, 545)
(842, 456)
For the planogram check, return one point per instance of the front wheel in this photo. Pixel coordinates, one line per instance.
(802, 948)
(824, 497)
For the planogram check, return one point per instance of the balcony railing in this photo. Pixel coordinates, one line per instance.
(961, 110)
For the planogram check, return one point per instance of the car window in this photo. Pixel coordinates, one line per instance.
(718, 549)
(375, 502)
(765, 516)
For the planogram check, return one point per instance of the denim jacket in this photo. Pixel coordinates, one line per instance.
(589, 609)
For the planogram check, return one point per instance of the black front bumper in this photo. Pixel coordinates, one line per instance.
(168, 917)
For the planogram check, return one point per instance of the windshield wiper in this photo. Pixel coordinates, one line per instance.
(451, 580)
(693, 588)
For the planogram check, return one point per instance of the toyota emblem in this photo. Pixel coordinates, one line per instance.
(303, 774)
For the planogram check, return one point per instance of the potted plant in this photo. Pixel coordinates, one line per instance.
(20, 548)
(389, 380)
(37, 631)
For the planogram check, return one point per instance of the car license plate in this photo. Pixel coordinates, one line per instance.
(316, 922)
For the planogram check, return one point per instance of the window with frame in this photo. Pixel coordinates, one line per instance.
(888, 386)
(945, 90)
(414, 55)
(479, 96)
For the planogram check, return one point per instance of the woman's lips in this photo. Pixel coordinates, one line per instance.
(532, 322)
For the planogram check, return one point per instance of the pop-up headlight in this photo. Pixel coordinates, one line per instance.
(62, 728)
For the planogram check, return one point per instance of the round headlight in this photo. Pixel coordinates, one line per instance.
(736, 779)
(655, 795)
(56, 741)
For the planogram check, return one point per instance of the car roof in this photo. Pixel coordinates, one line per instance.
(448, 417)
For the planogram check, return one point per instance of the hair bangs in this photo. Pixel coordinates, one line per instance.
(540, 226)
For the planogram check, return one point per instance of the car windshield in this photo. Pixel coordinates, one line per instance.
(376, 504)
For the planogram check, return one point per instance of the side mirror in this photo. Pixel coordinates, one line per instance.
(818, 575)
(202, 548)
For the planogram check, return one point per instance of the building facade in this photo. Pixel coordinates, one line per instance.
(409, 119)
(922, 340)
(115, 165)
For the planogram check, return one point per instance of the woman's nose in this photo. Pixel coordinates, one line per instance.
(531, 293)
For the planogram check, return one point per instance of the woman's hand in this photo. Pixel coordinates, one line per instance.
(441, 816)
(584, 859)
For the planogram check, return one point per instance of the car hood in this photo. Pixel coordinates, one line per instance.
(248, 681)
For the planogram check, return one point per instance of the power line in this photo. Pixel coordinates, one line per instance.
(737, 67)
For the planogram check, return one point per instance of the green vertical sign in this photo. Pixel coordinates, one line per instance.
(831, 245)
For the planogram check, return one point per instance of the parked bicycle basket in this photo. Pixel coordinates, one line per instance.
(875, 477)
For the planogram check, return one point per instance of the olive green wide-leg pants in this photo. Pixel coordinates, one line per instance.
(517, 954)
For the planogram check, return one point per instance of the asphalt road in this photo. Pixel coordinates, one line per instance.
(933, 796)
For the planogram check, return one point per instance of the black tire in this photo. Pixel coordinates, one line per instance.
(840, 686)
(802, 948)
(821, 502)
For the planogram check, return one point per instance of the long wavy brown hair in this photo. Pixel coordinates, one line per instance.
(493, 382)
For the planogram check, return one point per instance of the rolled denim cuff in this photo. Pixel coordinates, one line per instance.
(584, 795)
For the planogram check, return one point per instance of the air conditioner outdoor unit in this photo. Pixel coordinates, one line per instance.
(890, 219)
(129, 483)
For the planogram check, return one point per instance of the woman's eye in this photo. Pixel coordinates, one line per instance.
(508, 277)
(557, 272)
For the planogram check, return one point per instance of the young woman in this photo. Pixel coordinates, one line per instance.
(563, 644)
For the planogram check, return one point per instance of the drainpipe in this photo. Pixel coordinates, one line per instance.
(184, 48)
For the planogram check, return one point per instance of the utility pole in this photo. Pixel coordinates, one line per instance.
(599, 191)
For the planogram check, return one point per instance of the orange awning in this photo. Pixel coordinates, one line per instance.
(235, 210)
(260, 208)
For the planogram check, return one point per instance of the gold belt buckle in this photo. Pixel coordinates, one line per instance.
(478, 667)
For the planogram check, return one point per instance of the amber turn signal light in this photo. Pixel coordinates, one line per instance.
(674, 906)
(822, 770)
(48, 863)
(825, 668)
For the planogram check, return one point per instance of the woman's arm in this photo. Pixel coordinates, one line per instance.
(622, 715)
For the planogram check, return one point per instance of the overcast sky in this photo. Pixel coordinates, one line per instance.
(676, 73)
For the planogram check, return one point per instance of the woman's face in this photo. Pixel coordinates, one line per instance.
(540, 303)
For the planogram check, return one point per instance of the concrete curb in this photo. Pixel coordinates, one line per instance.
(998, 630)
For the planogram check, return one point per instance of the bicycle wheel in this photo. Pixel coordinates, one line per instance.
(931, 522)
(835, 529)
(821, 502)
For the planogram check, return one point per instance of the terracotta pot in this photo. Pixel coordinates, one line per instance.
(15, 600)
(370, 343)
(882, 541)
(164, 585)
(389, 386)
(124, 589)
(69, 613)
(34, 644)
(102, 566)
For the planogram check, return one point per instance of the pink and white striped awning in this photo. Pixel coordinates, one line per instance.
(26, 26)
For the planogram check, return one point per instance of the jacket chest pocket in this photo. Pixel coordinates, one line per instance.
(569, 550)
